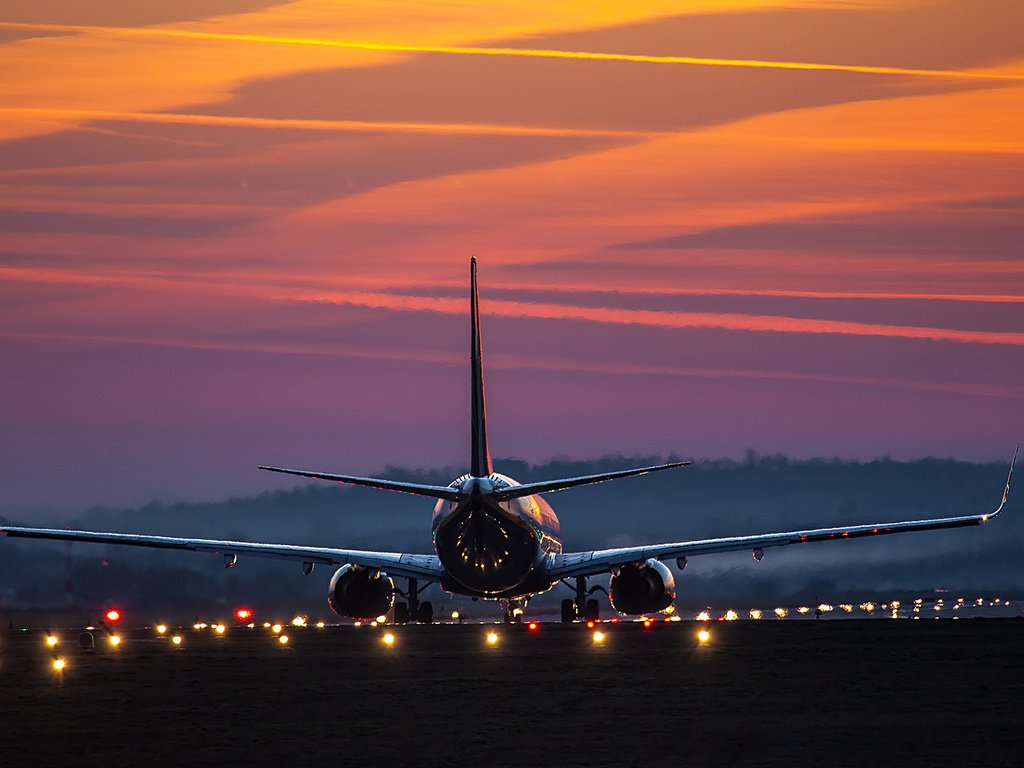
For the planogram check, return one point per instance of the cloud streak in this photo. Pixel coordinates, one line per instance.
(548, 311)
(541, 53)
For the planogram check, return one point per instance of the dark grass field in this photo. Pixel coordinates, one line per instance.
(826, 693)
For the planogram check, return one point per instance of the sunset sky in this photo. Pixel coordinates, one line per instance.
(238, 232)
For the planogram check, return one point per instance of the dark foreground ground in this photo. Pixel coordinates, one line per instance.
(824, 693)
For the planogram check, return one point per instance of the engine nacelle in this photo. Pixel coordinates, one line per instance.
(642, 588)
(360, 592)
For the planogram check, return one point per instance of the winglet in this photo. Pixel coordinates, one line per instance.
(1006, 490)
(480, 460)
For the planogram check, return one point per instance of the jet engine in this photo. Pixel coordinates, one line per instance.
(360, 592)
(642, 587)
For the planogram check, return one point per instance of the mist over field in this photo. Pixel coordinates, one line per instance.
(711, 498)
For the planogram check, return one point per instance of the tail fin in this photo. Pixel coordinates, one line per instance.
(480, 460)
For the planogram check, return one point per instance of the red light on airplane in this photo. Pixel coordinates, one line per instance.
(244, 614)
(112, 616)
(532, 626)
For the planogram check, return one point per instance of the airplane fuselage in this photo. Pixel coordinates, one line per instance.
(491, 548)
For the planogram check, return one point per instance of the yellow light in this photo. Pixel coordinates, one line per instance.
(115, 640)
(670, 610)
(51, 640)
(59, 664)
(357, 624)
(803, 609)
(197, 626)
(388, 639)
(299, 621)
(492, 638)
(266, 625)
(373, 623)
(455, 615)
(598, 637)
(703, 616)
(282, 639)
(176, 639)
(276, 629)
(382, 619)
(825, 608)
(731, 615)
(320, 625)
(161, 629)
(781, 613)
(755, 614)
(703, 636)
(219, 629)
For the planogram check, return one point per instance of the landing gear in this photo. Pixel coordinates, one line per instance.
(425, 612)
(581, 608)
(568, 611)
(513, 610)
(414, 610)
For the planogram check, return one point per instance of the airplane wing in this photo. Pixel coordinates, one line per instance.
(393, 563)
(601, 561)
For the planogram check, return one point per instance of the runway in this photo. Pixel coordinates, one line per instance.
(837, 692)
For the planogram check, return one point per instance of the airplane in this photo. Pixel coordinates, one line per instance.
(497, 539)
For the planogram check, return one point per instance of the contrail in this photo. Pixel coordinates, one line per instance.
(534, 53)
(184, 118)
(756, 323)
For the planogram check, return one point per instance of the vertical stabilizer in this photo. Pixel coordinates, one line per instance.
(480, 464)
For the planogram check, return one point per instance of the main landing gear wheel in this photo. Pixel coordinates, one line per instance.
(425, 613)
(401, 613)
(568, 611)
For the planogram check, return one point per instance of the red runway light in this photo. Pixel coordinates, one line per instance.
(590, 625)
(244, 614)
(533, 626)
(112, 616)
(647, 623)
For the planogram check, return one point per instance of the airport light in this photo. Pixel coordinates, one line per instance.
(598, 637)
(781, 613)
(803, 609)
(647, 623)
(731, 615)
(59, 664)
(388, 639)
(704, 616)
(176, 640)
(276, 629)
(300, 621)
(320, 625)
(755, 614)
(590, 625)
(52, 640)
(244, 614)
(282, 639)
(532, 626)
(703, 636)
(115, 640)
(161, 629)
(455, 615)
(219, 629)
(113, 616)
(492, 638)
(382, 619)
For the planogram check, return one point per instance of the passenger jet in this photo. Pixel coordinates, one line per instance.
(497, 539)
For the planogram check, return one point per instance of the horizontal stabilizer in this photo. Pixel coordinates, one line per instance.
(417, 489)
(529, 489)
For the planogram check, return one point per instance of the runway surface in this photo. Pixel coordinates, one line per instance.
(937, 692)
